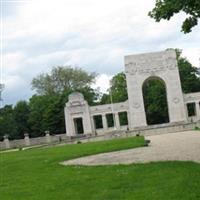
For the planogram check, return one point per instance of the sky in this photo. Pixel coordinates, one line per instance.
(95, 35)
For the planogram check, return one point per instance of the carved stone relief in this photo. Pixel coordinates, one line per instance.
(136, 105)
(176, 100)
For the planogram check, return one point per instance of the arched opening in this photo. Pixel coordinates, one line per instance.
(155, 101)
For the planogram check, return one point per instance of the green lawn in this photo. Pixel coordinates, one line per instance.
(36, 174)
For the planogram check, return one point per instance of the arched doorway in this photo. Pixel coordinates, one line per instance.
(155, 101)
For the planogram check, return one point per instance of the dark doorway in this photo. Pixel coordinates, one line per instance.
(110, 120)
(123, 118)
(98, 121)
(155, 101)
(78, 123)
(191, 108)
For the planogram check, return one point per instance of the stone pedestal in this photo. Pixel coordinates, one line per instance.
(48, 137)
(26, 139)
(6, 141)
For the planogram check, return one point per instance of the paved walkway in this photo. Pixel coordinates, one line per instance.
(183, 146)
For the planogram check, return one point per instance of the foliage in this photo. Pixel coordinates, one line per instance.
(45, 111)
(21, 115)
(117, 90)
(165, 9)
(155, 102)
(39, 175)
(62, 79)
(8, 125)
(189, 75)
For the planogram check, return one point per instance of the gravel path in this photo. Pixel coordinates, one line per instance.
(183, 146)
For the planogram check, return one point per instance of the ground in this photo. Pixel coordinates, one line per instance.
(183, 146)
(36, 174)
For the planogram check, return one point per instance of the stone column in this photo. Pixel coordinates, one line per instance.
(26, 139)
(48, 137)
(6, 141)
(117, 123)
(104, 120)
(197, 109)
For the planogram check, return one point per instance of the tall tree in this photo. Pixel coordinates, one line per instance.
(8, 124)
(47, 108)
(37, 120)
(61, 79)
(21, 116)
(118, 90)
(165, 9)
(189, 75)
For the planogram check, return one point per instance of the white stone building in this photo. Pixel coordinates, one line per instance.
(81, 118)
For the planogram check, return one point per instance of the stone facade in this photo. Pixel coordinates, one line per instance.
(80, 118)
(161, 65)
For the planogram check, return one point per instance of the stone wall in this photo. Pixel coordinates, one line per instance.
(48, 139)
(56, 139)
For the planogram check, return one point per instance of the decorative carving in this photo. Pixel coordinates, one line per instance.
(131, 68)
(136, 105)
(150, 65)
(170, 63)
(176, 100)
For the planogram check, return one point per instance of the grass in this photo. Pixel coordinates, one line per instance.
(36, 175)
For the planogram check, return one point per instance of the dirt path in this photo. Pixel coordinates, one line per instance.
(183, 146)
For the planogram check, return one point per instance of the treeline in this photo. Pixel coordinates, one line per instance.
(45, 110)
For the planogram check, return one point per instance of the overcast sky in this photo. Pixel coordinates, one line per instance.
(92, 34)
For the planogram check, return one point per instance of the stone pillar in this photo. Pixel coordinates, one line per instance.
(48, 137)
(104, 120)
(117, 123)
(6, 141)
(197, 109)
(26, 139)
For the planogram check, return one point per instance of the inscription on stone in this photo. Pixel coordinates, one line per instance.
(150, 65)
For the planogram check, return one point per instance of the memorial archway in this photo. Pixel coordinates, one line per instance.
(155, 101)
(139, 68)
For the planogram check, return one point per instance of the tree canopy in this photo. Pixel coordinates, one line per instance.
(189, 74)
(117, 90)
(165, 9)
(62, 78)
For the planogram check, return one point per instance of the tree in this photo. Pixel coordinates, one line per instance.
(8, 125)
(47, 108)
(189, 75)
(38, 106)
(21, 115)
(118, 90)
(165, 9)
(155, 102)
(61, 79)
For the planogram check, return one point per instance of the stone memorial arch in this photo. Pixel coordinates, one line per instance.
(161, 66)
(80, 118)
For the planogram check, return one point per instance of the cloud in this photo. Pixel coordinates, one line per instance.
(92, 34)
